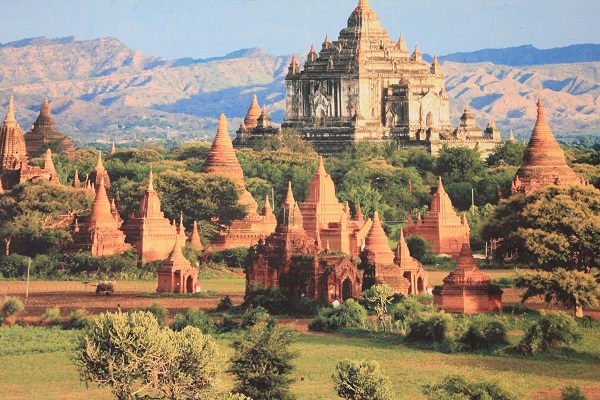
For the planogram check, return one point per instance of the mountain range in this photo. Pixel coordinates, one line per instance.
(101, 90)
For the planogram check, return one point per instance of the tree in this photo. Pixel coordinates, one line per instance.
(507, 153)
(262, 361)
(419, 248)
(457, 387)
(459, 164)
(377, 298)
(550, 332)
(361, 380)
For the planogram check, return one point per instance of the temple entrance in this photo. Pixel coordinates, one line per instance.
(420, 285)
(346, 289)
(189, 285)
(177, 280)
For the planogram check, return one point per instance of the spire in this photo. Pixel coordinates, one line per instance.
(10, 120)
(99, 166)
(289, 198)
(376, 243)
(321, 169)
(402, 44)
(76, 182)
(294, 68)
(113, 149)
(402, 255)
(359, 215)
(150, 180)
(49, 166)
(435, 65)
(267, 210)
(251, 119)
(176, 255)
(100, 215)
(511, 136)
(416, 55)
(195, 237)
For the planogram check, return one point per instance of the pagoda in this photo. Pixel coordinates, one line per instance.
(544, 161)
(177, 275)
(365, 86)
(99, 173)
(442, 228)
(329, 220)
(43, 135)
(221, 160)
(195, 237)
(293, 261)
(255, 126)
(100, 233)
(411, 268)
(148, 230)
(467, 289)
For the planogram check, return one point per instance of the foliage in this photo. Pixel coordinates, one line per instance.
(350, 314)
(482, 334)
(9, 308)
(361, 380)
(552, 331)
(457, 387)
(419, 248)
(78, 319)
(459, 164)
(273, 300)
(289, 141)
(254, 316)
(571, 289)
(196, 318)
(409, 308)
(377, 298)
(159, 312)
(51, 317)
(508, 152)
(262, 361)
(429, 327)
(34, 340)
(572, 393)
(232, 258)
(225, 304)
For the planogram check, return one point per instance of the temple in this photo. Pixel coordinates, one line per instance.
(221, 160)
(255, 126)
(43, 135)
(364, 86)
(14, 167)
(294, 262)
(412, 269)
(544, 161)
(442, 228)
(100, 232)
(148, 230)
(467, 289)
(176, 275)
(328, 220)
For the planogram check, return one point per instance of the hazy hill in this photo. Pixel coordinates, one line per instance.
(102, 90)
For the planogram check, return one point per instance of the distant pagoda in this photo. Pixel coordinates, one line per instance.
(255, 126)
(43, 135)
(442, 228)
(221, 160)
(467, 289)
(544, 161)
(365, 86)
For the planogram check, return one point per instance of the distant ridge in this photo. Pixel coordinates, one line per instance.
(528, 55)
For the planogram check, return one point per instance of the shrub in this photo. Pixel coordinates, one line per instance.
(225, 304)
(254, 316)
(159, 312)
(232, 258)
(196, 318)
(550, 332)
(273, 300)
(10, 308)
(78, 319)
(349, 314)
(482, 335)
(429, 327)
(572, 393)
(409, 308)
(227, 325)
(361, 380)
(51, 317)
(418, 247)
(457, 387)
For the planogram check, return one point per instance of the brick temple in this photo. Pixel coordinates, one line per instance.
(467, 289)
(441, 227)
(365, 86)
(43, 135)
(176, 274)
(544, 161)
(255, 126)
(221, 160)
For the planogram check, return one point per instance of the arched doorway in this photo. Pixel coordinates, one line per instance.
(347, 289)
(189, 285)
(420, 285)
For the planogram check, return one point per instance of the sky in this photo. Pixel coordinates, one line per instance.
(210, 28)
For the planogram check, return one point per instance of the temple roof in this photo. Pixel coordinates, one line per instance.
(376, 243)
(12, 142)
(221, 158)
(100, 215)
(253, 113)
(150, 203)
(442, 212)
(44, 121)
(466, 272)
(10, 120)
(176, 259)
(195, 237)
(321, 196)
(402, 255)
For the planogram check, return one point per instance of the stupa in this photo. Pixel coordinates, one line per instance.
(195, 237)
(442, 228)
(467, 289)
(255, 126)
(99, 234)
(544, 161)
(177, 275)
(329, 220)
(365, 86)
(296, 263)
(221, 160)
(43, 135)
(411, 268)
(148, 230)
(377, 260)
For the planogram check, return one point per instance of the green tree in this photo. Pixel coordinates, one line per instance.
(507, 153)
(457, 387)
(550, 332)
(377, 298)
(459, 164)
(419, 248)
(361, 380)
(262, 361)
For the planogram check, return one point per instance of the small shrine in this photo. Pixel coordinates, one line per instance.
(177, 275)
(255, 126)
(43, 135)
(412, 269)
(442, 228)
(467, 289)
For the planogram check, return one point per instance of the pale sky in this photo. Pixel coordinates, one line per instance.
(209, 28)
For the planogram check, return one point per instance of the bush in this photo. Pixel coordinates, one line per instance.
(457, 387)
(361, 380)
(225, 304)
(10, 308)
(196, 318)
(349, 314)
(429, 327)
(418, 247)
(572, 393)
(232, 258)
(482, 335)
(159, 312)
(272, 300)
(78, 319)
(254, 316)
(227, 325)
(550, 332)
(409, 308)
(51, 317)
